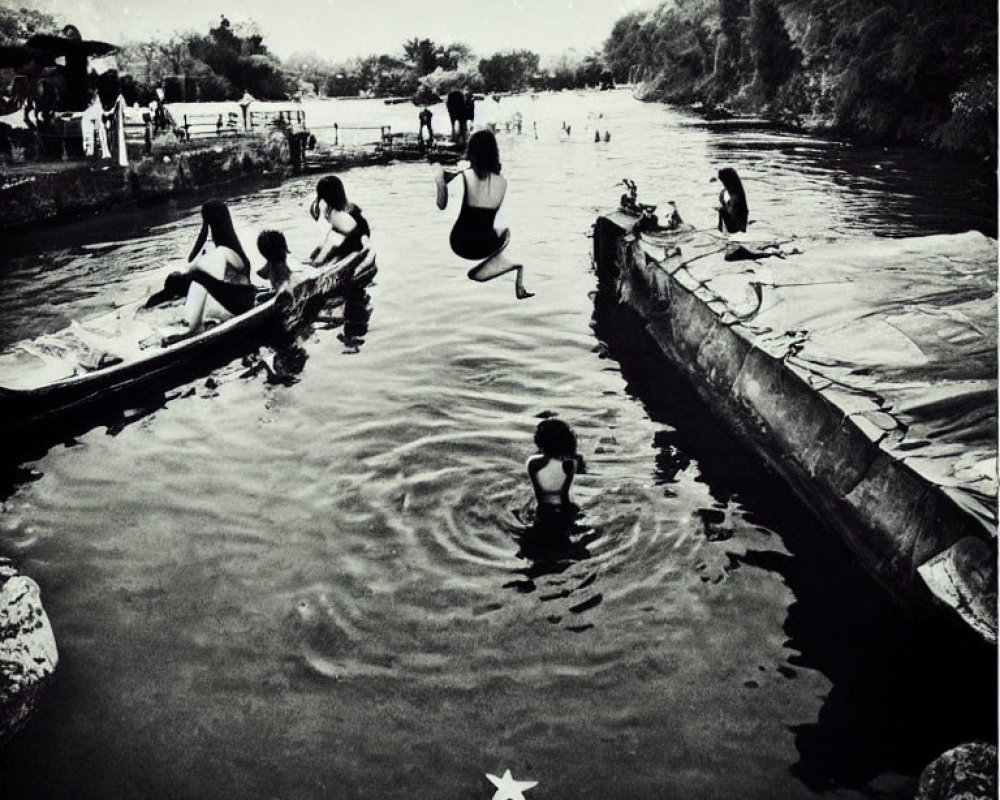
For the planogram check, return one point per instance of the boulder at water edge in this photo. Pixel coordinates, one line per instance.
(28, 655)
(966, 772)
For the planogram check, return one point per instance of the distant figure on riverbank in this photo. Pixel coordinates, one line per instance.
(553, 468)
(474, 235)
(733, 211)
(349, 230)
(218, 268)
(425, 117)
(274, 248)
(461, 110)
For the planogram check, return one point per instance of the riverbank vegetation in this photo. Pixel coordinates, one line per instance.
(903, 71)
(231, 59)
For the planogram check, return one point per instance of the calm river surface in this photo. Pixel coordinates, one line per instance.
(316, 590)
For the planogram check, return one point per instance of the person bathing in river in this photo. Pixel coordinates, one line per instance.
(553, 468)
(349, 230)
(273, 247)
(733, 211)
(217, 268)
(474, 236)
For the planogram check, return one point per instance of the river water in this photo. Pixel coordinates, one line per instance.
(317, 590)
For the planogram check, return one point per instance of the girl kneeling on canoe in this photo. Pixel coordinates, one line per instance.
(219, 268)
(349, 230)
(473, 236)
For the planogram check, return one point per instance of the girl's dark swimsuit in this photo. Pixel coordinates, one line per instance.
(473, 236)
(352, 242)
(234, 297)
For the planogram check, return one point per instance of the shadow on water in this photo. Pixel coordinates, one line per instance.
(903, 690)
(552, 542)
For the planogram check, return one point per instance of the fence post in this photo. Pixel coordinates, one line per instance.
(149, 136)
(336, 135)
(187, 127)
(218, 126)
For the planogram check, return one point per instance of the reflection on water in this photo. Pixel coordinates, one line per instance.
(900, 693)
(310, 570)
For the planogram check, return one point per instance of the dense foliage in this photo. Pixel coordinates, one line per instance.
(900, 70)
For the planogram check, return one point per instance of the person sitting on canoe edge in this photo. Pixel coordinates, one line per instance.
(474, 236)
(733, 211)
(553, 468)
(218, 268)
(274, 248)
(349, 230)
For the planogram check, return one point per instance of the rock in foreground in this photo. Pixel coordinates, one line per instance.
(28, 654)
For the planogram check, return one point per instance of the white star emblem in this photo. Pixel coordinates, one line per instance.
(508, 788)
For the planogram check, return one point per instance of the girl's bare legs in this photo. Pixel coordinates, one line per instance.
(498, 264)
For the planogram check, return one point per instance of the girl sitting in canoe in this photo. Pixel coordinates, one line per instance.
(217, 266)
(349, 230)
(474, 236)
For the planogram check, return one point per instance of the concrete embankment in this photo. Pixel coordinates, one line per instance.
(862, 372)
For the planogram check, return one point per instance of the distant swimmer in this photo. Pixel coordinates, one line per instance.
(733, 211)
(474, 236)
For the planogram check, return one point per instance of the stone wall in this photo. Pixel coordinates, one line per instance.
(37, 194)
(909, 533)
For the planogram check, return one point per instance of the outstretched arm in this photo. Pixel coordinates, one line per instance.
(442, 179)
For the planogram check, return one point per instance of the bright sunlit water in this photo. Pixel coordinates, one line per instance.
(316, 590)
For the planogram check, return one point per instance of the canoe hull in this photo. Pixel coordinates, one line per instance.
(24, 411)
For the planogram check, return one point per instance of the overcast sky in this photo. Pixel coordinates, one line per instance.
(339, 29)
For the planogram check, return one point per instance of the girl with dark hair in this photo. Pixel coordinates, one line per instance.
(555, 465)
(349, 230)
(218, 267)
(274, 248)
(733, 211)
(474, 236)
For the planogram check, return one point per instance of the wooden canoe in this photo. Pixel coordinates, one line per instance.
(90, 362)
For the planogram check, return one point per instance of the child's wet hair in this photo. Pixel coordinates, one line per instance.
(554, 438)
(272, 245)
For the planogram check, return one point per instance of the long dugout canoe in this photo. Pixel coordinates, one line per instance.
(861, 371)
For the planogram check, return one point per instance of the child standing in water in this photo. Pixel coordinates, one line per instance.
(555, 465)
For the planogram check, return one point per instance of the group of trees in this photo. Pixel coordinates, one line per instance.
(232, 59)
(221, 65)
(427, 67)
(898, 70)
